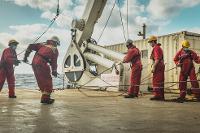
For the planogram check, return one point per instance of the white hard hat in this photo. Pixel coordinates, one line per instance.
(55, 39)
(129, 41)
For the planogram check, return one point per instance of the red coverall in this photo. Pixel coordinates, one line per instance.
(158, 75)
(8, 58)
(133, 56)
(185, 58)
(44, 54)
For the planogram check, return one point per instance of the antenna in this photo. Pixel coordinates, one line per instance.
(144, 32)
(58, 9)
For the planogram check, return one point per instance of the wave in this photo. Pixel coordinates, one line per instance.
(28, 81)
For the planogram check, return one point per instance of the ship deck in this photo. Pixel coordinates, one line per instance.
(89, 111)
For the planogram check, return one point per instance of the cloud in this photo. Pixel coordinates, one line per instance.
(194, 30)
(74, 9)
(156, 14)
(41, 4)
(23, 33)
(137, 17)
(164, 9)
(4, 38)
(1, 48)
(63, 21)
(26, 34)
(68, 9)
(158, 10)
(114, 30)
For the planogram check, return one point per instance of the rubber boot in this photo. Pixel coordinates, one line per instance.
(45, 99)
(130, 96)
(180, 100)
(155, 98)
(12, 96)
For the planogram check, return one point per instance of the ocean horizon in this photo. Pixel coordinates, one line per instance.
(28, 81)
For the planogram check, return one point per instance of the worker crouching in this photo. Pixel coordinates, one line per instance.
(134, 57)
(184, 59)
(46, 56)
(8, 59)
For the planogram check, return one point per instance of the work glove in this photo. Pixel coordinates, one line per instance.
(153, 69)
(25, 59)
(115, 67)
(16, 62)
(116, 72)
(199, 71)
(54, 73)
(178, 65)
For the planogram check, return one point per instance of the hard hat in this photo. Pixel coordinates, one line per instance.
(186, 44)
(55, 39)
(12, 41)
(152, 38)
(128, 42)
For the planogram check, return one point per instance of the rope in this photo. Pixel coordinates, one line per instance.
(172, 82)
(84, 85)
(85, 94)
(121, 20)
(59, 77)
(110, 85)
(146, 78)
(106, 22)
(95, 77)
(127, 20)
(52, 22)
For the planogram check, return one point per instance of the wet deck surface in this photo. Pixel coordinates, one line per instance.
(101, 112)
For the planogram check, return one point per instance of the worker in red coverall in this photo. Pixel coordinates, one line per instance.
(45, 55)
(8, 59)
(184, 59)
(133, 56)
(158, 69)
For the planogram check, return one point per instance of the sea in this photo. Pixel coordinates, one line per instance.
(28, 81)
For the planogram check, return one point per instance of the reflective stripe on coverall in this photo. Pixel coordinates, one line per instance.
(133, 56)
(186, 58)
(158, 75)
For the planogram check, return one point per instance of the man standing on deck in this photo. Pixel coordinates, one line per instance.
(133, 56)
(158, 69)
(184, 59)
(45, 55)
(8, 59)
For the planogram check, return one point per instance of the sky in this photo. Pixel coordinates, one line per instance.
(25, 20)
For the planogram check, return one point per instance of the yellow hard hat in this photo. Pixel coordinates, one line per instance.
(152, 38)
(186, 44)
(12, 41)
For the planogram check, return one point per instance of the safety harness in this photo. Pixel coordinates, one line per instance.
(136, 58)
(188, 54)
(45, 57)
